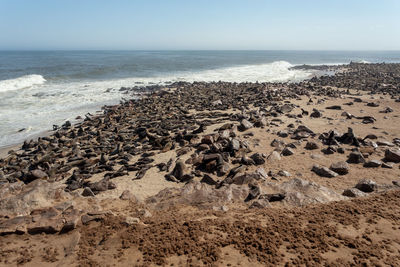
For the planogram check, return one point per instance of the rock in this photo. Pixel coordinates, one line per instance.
(392, 155)
(299, 192)
(340, 167)
(355, 157)
(200, 195)
(366, 185)
(17, 199)
(287, 151)
(258, 158)
(245, 125)
(87, 192)
(353, 192)
(323, 171)
(372, 164)
(311, 145)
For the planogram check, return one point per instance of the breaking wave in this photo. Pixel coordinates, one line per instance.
(22, 82)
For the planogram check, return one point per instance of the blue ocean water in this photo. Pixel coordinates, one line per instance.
(42, 88)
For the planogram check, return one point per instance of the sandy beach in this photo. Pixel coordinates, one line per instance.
(215, 174)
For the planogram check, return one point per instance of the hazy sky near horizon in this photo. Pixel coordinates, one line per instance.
(200, 24)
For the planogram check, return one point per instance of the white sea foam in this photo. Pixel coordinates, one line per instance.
(22, 82)
(362, 61)
(48, 103)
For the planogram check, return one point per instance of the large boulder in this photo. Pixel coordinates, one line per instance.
(17, 199)
(299, 192)
(199, 194)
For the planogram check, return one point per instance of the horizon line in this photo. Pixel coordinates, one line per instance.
(149, 50)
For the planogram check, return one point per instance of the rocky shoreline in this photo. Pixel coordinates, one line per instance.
(210, 149)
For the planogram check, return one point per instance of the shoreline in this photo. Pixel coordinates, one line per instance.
(318, 71)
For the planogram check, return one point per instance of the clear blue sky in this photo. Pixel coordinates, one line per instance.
(200, 24)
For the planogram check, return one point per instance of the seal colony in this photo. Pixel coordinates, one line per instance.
(216, 174)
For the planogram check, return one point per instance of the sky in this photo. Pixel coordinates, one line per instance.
(200, 24)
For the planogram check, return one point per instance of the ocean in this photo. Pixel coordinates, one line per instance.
(42, 88)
